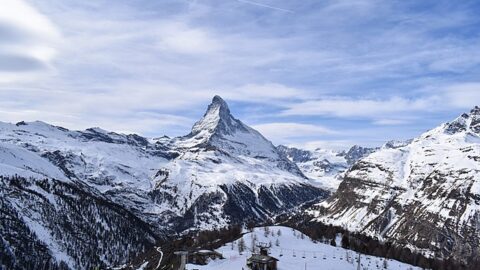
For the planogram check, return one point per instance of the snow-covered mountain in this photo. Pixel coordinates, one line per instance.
(65, 196)
(218, 130)
(423, 194)
(234, 168)
(64, 188)
(325, 167)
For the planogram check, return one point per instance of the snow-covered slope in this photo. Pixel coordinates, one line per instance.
(424, 194)
(296, 251)
(222, 172)
(103, 159)
(15, 160)
(325, 167)
(60, 196)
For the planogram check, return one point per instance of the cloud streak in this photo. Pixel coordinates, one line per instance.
(462, 96)
(286, 132)
(264, 5)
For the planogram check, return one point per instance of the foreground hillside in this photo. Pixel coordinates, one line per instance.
(296, 251)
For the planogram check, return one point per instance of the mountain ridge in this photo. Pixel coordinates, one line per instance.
(236, 177)
(423, 195)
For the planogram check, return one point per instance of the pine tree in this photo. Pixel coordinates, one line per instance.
(277, 243)
(333, 243)
(266, 231)
(253, 243)
(345, 241)
(241, 246)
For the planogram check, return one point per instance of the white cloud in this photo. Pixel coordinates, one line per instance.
(180, 38)
(463, 95)
(390, 122)
(394, 110)
(370, 108)
(337, 145)
(284, 132)
(28, 41)
(266, 92)
(22, 16)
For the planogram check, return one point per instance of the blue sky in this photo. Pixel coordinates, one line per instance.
(305, 73)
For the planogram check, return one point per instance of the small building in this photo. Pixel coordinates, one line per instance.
(202, 257)
(262, 261)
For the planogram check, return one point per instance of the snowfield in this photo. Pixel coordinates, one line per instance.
(295, 251)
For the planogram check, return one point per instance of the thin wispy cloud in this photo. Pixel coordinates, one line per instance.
(458, 96)
(258, 4)
(287, 133)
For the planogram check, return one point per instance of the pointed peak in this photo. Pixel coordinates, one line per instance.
(218, 102)
(465, 122)
(217, 109)
(475, 111)
(217, 119)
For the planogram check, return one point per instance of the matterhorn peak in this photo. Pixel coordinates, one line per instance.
(219, 107)
(216, 120)
(219, 100)
(219, 131)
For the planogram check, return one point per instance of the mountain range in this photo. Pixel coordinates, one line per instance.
(94, 198)
(59, 184)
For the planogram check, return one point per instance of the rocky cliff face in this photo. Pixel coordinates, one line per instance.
(424, 195)
(356, 153)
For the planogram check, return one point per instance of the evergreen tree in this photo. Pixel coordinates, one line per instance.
(345, 241)
(333, 243)
(266, 231)
(241, 246)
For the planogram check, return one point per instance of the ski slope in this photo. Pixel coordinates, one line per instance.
(295, 251)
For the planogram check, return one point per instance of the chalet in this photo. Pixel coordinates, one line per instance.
(202, 257)
(262, 261)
